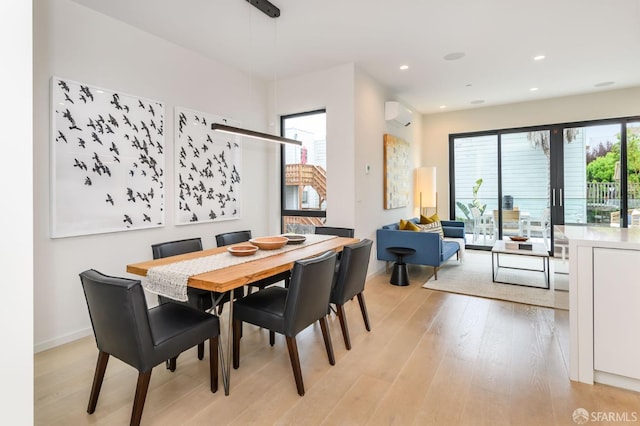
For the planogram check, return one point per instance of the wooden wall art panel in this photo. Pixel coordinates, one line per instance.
(397, 172)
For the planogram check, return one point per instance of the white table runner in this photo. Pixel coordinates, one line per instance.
(171, 280)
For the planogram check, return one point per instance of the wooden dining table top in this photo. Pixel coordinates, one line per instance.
(235, 276)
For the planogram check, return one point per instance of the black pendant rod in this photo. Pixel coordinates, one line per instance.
(266, 7)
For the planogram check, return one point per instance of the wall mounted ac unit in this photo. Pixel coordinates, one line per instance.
(397, 112)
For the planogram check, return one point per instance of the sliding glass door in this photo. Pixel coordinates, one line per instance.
(633, 174)
(525, 178)
(525, 181)
(502, 183)
(476, 186)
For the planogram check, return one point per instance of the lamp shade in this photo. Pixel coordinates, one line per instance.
(425, 187)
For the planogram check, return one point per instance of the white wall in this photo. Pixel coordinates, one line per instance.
(370, 125)
(437, 127)
(16, 216)
(331, 89)
(355, 127)
(76, 43)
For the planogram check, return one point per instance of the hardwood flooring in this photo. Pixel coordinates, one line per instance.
(431, 358)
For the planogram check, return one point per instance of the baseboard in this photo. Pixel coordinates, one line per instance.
(58, 341)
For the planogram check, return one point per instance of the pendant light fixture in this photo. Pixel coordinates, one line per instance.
(272, 11)
(252, 134)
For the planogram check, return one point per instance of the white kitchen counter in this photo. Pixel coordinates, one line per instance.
(604, 303)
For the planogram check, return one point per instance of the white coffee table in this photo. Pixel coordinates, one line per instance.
(537, 250)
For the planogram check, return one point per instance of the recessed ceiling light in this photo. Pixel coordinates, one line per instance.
(99, 91)
(454, 56)
(477, 101)
(533, 89)
(404, 67)
(605, 84)
(443, 106)
(538, 58)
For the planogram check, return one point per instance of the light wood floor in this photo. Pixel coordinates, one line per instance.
(432, 358)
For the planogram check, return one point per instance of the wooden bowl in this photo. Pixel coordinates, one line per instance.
(242, 250)
(521, 239)
(269, 243)
(295, 238)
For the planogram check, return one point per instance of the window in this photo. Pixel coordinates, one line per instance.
(304, 172)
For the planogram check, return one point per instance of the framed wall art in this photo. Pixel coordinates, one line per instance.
(397, 172)
(207, 170)
(107, 160)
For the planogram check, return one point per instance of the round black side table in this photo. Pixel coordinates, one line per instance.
(399, 274)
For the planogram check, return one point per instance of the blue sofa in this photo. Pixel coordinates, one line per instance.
(430, 249)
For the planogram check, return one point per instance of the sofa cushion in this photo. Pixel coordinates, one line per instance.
(433, 227)
(408, 225)
(449, 248)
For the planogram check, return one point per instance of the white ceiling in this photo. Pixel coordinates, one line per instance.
(586, 42)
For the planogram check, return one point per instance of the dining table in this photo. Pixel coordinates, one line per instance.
(228, 278)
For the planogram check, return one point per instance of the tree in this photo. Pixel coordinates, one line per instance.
(602, 168)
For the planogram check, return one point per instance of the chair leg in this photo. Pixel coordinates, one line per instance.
(324, 325)
(213, 363)
(237, 330)
(141, 395)
(101, 367)
(343, 326)
(295, 363)
(435, 272)
(272, 338)
(363, 309)
(171, 364)
(201, 351)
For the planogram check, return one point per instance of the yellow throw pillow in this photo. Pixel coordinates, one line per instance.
(407, 225)
(431, 219)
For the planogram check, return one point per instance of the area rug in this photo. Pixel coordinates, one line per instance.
(473, 277)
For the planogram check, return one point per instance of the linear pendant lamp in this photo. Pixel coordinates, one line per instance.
(252, 134)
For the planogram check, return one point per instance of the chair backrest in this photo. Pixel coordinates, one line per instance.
(309, 292)
(173, 248)
(332, 230)
(228, 238)
(352, 272)
(509, 217)
(119, 316)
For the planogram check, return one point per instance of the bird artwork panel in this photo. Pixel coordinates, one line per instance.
(207, 169)
(107, 160)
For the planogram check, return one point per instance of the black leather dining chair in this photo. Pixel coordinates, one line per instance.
(349, 282)
(337, 231)
(289, 311)
(236, 237)
(125, 328)
(332, 230)
(201, 300)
